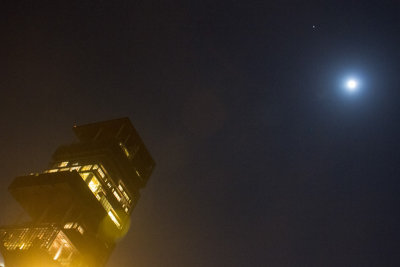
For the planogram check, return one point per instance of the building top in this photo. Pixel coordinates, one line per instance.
(120, 129)
(122, 132)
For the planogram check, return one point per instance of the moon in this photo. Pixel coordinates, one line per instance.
(351, 85)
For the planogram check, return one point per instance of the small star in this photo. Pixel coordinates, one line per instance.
(313, 26)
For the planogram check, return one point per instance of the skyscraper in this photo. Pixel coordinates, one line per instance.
(80, 206)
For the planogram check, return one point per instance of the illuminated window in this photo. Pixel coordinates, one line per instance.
(76, 226)
(63, 164)
(137, 172)
(75, 168)
(126, 151)
(94, 184)
(80, 230)
(64, 169)
(100, 171)
(126, 196)
(85, 175)
(86, 168)
(62, 250)
(68, 225)
(106, 205)
(52, 170)
(117, 196)
(113, 217)
(95, 167)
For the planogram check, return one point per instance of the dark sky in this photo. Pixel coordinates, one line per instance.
(262, 160)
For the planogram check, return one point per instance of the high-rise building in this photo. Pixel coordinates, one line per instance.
(80, 206)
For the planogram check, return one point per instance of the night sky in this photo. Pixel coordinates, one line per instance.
(262, 158)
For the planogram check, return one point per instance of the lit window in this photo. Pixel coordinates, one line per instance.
(126, 196)
(80, 230)
(137, 172)
(94, 184)
(95, 167)
(75, 168)
(85, 175)
(106, 205)
(53, 170)
(86, 168)
(113, 217)
(117, 196)
(126, 151)
(63, 164)
(64, 169)
(100, 171)
(120, 187)
(68, 225)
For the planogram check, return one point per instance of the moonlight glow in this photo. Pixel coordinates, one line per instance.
(351, 85)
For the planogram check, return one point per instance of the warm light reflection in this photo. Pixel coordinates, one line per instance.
(126, 151)
(58, 252)
(114, 219)
(63, 164)
(94, 184)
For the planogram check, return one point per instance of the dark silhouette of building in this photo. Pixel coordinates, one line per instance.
(81, 205)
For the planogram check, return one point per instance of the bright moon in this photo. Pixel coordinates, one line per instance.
(351, 85)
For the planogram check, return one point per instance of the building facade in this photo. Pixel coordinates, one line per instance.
(80, 206)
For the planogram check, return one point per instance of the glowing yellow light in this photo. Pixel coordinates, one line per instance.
(126, 151)
(100, 171)
(75, 168)
(58, 252)
(126, 196)
(63, 164)
(117, 196)
(94, 184)
(114, 219)
(81, 230)
(84, 175)
(86, 168)
(68, 225)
